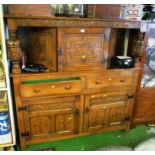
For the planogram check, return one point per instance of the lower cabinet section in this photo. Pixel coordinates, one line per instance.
(62, 117)
(51, 108)
(54, 117)
(107, 110)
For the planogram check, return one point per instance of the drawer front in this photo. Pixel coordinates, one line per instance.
(52, 88)
(108, 81)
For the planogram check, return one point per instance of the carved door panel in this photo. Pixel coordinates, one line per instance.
(107, 110)
(52, 118)
(82, 48)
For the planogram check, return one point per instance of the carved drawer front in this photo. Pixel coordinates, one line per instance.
(84, 47)
(44, 88)
(122, 81)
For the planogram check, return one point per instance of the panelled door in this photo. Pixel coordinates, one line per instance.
(107, 110)
(83, 48)
(51, 118)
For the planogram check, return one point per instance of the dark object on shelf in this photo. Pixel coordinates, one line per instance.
(122, 62)
(34, 68)
(149, 12)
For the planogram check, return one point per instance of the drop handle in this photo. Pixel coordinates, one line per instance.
(53, 86)
(69, 118)
(104, 108)
(36, 90)
(109, 78)
(83, 57)
(68, 87)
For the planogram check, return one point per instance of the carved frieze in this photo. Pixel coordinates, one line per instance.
(74, 22)
(101, 100)
(47, 107)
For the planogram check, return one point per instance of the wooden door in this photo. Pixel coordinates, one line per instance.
(83, 48)
(107, 110)
(51, 118)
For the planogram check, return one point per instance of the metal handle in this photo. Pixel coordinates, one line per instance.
(110, 79)
(69, 118)
(83, 57)
(53, 86)
(104, 108)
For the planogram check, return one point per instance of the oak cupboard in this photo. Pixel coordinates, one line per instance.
(79, 94)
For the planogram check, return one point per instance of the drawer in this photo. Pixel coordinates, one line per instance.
(109, 81)
(50, 87)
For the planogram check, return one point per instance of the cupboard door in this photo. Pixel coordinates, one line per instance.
(107, 110)
(82, 48)
(51, 118)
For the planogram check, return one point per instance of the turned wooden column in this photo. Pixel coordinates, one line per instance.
(14, 50)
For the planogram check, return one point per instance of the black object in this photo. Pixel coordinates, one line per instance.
(34, 68)
(149, 12)
(122, 62)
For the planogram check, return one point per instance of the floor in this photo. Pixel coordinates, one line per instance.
(128, 139)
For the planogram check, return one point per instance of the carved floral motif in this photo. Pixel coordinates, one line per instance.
(101, 100)
(47, 107)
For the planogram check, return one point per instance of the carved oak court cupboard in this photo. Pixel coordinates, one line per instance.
(79, 94)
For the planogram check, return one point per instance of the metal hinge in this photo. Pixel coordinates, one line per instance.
(87, 110)
(77, 111)
(131, 96)
(25, 134)
(127, 118)
(22, 108)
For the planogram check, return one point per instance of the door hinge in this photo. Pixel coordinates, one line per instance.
(60, 52)
(131, 96)
(127, 118)
(25, 134)
(77, 111)
(22, 108)
(87, 110)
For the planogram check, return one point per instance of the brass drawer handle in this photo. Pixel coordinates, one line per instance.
(98, 82)
(104, 108)
(68, 87)
(69, 118)
(93, 96)
(83, 57)
(36, 90)
(53, 86)
(110, 79)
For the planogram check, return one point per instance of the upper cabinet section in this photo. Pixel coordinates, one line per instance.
(43, 42)
(83, 48)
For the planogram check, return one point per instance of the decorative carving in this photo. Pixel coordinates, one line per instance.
(83, 48)
(65, 22)
(110, 99)
(55, 106)
(14, 52)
